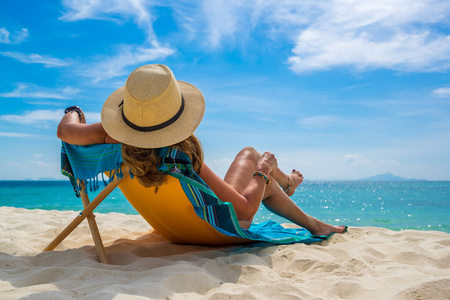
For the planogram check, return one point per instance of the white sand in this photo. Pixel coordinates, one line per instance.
(365, 263)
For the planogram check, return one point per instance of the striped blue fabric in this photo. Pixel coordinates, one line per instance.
(86, 162)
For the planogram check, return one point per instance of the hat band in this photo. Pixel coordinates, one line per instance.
(154, 127)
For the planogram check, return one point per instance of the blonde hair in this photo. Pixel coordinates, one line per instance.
(143, 162)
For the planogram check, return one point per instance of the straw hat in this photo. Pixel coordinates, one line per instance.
(153, 109)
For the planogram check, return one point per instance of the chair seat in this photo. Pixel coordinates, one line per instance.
(172, 215)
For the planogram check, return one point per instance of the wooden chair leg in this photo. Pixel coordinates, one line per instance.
(86, 211)
(93, 226)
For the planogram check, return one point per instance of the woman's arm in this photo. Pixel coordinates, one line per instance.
(74, 130)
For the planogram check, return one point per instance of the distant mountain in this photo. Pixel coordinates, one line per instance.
(389, 177)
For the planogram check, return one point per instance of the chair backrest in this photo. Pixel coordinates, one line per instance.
(171, 213)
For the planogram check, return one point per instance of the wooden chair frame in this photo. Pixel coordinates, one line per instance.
(88, 213)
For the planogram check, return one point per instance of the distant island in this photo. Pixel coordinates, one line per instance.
(389, 177)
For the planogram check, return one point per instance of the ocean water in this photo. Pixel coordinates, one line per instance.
(419, 205)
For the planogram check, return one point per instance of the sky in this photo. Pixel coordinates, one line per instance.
(338, 89)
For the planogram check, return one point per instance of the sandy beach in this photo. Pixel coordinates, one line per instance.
(365, 263)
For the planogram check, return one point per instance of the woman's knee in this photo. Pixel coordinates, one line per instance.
(249, 153)
(246, 214)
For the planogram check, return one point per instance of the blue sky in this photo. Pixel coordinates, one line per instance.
(336, 89)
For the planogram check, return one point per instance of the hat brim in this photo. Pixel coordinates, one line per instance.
(176, 132)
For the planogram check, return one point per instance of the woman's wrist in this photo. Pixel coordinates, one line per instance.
(263, 166)
(72, 110)
(263, 176)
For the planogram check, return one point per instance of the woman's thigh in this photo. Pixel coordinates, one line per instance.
(242, 168)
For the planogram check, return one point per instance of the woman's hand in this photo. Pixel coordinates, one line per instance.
(267, 163)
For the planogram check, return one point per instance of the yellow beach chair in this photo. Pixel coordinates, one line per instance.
(184, 210)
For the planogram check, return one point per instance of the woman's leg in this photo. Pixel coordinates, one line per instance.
(241, 171)
(275, 199)
(279, 203)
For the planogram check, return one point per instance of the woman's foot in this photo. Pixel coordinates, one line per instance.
(295, 179)
(327, 229)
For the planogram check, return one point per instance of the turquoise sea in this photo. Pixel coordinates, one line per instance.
(420, 205)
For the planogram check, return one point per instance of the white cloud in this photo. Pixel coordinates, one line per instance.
(442, 92)
(4, 36)
(108, 67)
(319, 49)
(211, 21)
(33, 58)
(34, 117)
(14, 134)
(27, 90)
(399, 35)
(227, 22)
(92, 117)
(112, 10)
(388, 34)
(225, 18)
(42, 116)
(16, 37)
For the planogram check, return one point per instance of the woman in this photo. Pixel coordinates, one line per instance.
(154, 110)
